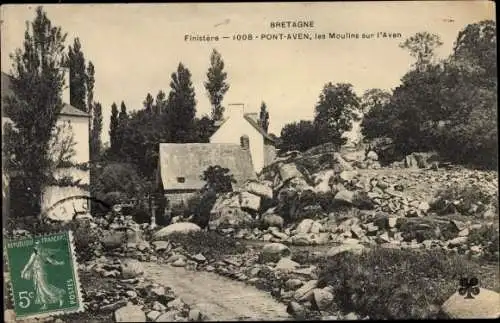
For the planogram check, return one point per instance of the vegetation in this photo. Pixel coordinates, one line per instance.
(397, 284)
(337, 108)
(469, 200)
(208, 243)
(447, 106)
(216, 85)
(37, 84)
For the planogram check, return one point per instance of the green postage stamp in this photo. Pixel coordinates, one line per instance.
(44, 275)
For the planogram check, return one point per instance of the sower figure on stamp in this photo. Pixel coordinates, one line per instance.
(35, 270)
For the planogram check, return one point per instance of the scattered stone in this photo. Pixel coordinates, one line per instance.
(305, 291)
(296, 310)
(179, 227)
(293, 284)
(169, 316)
(322, 299)
(130, 313)
(152, 315)
(131, 268)
(272, 220)
(286, 265)
(354, 248)
(273, 252)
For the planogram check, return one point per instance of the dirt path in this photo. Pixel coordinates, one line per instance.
(218, 297)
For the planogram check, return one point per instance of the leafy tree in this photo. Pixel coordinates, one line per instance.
(264, 117)
(299, 136)
(144, 132)
(61, 145)
(218, 179)
(113, 127)
(148, 103)
(216, 85)
(181, 106)
(77, 76)
(123, 112)
(37, 83)
(422, 46)
(337, 107)
(374, 99)
(118, 177)
(90, 81)
(161, 102)
(204, 128)
(95, 134)
(475, 45)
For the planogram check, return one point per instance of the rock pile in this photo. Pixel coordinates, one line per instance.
(134, 299)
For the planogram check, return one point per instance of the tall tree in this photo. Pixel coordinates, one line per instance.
(77, 76)
(336, 109)
(90, 81)
(264, 117)
(37, 83)
(216, 85)
(95, 134)
(181, 106)
(148, 103)
(113, 127)
(123, 112)
(160, 103)
(422, 46)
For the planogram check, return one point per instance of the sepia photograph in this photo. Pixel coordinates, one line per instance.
(175, 162)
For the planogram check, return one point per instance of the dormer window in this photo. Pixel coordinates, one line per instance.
(181, 179)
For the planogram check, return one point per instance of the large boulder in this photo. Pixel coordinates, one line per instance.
(354, 248)
(304, 226)
(179, 227)
(272, 220)
(289, 171)
(250, 201)
(230, 218)
(113, 239)
(227, 200)
(273, 252)
(259, 189)
(482, 306)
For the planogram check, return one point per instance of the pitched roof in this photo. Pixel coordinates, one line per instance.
(66, 110)
(253, 119)
(189, 161)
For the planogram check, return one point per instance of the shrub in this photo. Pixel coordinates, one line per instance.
(488, 237)
(299, 136)
(208, 243)
(202, 206)
(218, 179)
(394, 284)
(468, 200)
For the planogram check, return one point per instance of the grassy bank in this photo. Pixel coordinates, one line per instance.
(400, 284)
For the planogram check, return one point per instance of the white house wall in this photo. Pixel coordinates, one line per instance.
(53, 194)
(80, 127)
(230, 133)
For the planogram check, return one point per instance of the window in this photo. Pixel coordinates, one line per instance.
(181, 179)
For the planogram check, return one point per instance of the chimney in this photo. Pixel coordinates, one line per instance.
(235, 110)
(65, 92)
(245, 142)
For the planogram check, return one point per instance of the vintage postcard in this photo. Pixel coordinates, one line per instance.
(250, 161)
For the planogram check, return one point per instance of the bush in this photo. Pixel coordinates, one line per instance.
(488, 237)
(469, 200)
(210, 244)
(299, 136)
(394, 284)
(218, 179)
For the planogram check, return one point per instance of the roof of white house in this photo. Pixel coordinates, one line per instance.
(67, 109)
(182, 165)
(253, 120)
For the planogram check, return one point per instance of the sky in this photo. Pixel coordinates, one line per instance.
(136, 47)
